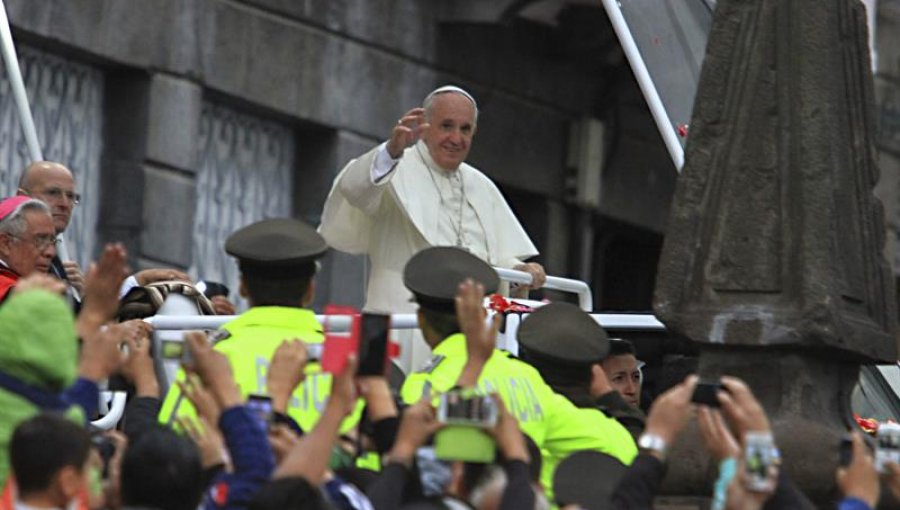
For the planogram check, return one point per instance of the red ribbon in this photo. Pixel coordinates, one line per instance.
(500, 304)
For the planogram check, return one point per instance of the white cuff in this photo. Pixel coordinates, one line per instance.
(383, 164)
(129, 283)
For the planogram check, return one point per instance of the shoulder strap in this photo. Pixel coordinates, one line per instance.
(41, 398)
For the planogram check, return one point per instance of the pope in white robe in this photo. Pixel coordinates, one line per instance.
(416, 191)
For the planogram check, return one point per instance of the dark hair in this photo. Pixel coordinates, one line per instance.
(284, 290)
(162, 470)
(293, 492)
(443, 323)
(44, 445)
(620, 347)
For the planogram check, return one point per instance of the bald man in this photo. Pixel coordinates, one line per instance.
(53, 184)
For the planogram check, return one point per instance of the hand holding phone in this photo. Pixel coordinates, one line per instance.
(373, 344)
(707, 393)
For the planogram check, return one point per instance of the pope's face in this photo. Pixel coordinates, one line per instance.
(450, 131)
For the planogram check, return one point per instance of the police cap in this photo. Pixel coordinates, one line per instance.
(563, 334)
(279, 247)
(588, 479)
(434, 274)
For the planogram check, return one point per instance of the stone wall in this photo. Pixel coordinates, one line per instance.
(887, 116)
(339, 73)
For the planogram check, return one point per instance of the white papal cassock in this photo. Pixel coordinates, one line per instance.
(413, 206)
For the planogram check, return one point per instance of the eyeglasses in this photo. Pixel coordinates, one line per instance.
(58, 194)
(40, 242)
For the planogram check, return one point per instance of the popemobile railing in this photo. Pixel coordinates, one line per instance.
(169, 327)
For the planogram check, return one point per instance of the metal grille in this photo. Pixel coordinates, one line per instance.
(246, 164)
(67, 102)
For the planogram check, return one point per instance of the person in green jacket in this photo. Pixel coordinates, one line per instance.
(277, 260)
(571, 351)
(556, 425)
(39, 353)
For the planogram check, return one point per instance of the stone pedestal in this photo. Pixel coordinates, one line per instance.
(808, 400)
(773, 260)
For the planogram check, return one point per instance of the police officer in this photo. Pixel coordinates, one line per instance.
(555, 424)
(277, 261)
(569, 349)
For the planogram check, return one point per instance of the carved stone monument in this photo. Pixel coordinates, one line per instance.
(773, 256)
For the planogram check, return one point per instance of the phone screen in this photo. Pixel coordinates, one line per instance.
(373, 344)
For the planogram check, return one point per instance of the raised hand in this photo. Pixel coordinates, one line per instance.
(214, 370)
(859, 479)
(481, 339)
(719, 441)
(671, 411)
(101, 288)
(138, 367)
(507, 434)
(286, 372)
(406, 132)
(160, 274)
(741, 408)
(74, 275)
(417, 424)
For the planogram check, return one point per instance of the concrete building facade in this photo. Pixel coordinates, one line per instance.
(186, 119)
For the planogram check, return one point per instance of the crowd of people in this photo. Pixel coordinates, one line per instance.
(253, 420)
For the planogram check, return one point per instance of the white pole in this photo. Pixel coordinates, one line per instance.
(676, 151)
(21, 98)
(18, 87)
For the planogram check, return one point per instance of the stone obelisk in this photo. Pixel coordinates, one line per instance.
(773, 255)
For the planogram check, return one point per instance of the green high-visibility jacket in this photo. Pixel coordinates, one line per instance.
(249, 342)
(556, 425)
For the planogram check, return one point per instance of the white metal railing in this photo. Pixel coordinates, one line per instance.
(615, 321)
(402, 321)
(112, 404)
(585, 297)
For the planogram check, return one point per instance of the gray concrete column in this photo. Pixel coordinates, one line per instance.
(149, 161)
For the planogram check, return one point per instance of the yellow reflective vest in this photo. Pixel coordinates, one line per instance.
(557, 426)
(249, 342)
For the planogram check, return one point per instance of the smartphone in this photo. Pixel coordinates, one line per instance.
(105, 447)
(372, 352)
(261, 407)
(845, 450)
(760, 455)
(706, 393)
(171, 349)
(887, 446)
(339, 344)
(466, 407)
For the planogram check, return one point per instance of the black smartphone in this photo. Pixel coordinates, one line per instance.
(373, 344)
(261, 407)
(706, 393)
(845, 450)
(105, 447)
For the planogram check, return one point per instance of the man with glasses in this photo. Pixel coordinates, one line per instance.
(53, 184)
(27, 240)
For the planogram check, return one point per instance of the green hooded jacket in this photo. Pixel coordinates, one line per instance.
(39, 347)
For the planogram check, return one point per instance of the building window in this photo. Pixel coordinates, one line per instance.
(67, 104)
(245, 169)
